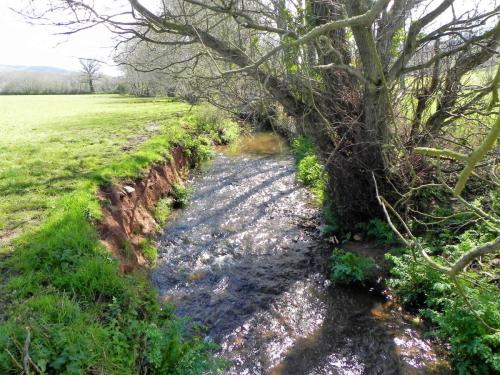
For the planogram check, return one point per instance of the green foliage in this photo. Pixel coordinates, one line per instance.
(309, 170)
(184, 357)
(229, 131)
(210, 126)
(303, 146)
(474, 347)
(348, 268)
(162, 210)
(217, 125)
(381, 231)
(150, 252)
(415, 281)
(331, 225)
(180, 193)
(378, 230)
(397, 42)
(83, 315)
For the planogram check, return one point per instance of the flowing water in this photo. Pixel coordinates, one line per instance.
(247, 260)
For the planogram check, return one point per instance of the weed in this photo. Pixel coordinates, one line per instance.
(149, 251)
(309, 170)
(215, 123)
(473, 346)
(180, 193)
(348, 268)
(163, 209)
(381, 231)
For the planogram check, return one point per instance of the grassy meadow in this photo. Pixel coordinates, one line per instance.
(51, 145)
(61, 293)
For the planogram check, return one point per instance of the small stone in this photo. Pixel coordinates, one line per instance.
(358, 237)
(204, 257)
(128, 189)
(153, 127)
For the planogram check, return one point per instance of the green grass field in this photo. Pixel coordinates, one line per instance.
(60, 290)
(51, 145)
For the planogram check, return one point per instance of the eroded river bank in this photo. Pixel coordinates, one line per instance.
(247, 260)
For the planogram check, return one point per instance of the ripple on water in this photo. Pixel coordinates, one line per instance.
(244, 259)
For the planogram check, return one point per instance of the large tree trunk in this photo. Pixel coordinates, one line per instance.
(351, 158)
(349, 126)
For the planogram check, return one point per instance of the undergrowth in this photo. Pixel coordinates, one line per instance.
(349, 268)
(309, 169)
(378, 230)
(180, 194)
(470, 327)
(72, 311)
(345, 267)
(163, 210)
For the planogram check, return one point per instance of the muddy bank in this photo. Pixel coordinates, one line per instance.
(5, 274)
(128, 208)
(247, 260)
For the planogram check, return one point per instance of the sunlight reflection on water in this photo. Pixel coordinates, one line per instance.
(246, 259)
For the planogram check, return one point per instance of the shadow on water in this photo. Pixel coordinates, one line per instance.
(246, 259)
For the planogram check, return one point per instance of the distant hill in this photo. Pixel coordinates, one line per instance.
(32, 69)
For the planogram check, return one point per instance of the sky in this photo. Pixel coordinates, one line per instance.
(25, 44)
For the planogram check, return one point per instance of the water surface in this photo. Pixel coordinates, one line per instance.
(247, 260)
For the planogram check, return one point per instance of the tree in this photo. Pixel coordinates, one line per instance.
(90, 70)
(337, 67)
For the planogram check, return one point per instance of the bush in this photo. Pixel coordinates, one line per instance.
(348, 268)
(217, 125)
(162, 210)
(381, 231)
(474, 347)
(309, 170)
(180, 194)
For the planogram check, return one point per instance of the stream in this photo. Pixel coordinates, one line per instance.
(247, 260)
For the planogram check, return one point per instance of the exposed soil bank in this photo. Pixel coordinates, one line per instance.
(128, 208)
(4, 295)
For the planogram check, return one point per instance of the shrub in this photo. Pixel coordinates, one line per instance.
(216, 123)
(309, 170)
(348, 268)
(180, 194)
(163, 209)
(381, 231)
(474, 347)
(229, 132)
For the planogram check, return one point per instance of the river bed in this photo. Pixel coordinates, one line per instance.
(247, 260)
